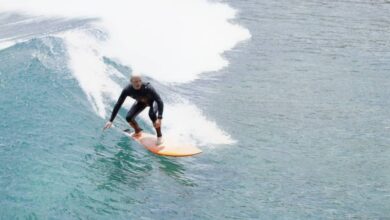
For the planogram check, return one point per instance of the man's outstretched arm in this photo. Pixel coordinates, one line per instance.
(118, 105)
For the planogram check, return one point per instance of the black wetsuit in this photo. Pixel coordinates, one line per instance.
(145, 96)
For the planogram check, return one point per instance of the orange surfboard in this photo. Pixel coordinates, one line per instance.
(169, 147)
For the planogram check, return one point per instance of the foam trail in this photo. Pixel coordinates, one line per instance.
(197, 128)
(86, 63)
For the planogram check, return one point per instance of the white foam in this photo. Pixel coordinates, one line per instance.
(185, 121)
(169, 40)
(6, 43)
(88, 67)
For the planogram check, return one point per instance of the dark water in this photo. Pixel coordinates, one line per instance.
(306, 98)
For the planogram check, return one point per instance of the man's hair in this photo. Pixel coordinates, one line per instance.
(135, 75)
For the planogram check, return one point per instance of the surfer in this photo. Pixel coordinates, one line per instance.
(144, 95)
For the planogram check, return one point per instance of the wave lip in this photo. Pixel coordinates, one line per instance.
(171, 40)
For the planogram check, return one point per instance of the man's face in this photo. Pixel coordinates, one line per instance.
(136, 82)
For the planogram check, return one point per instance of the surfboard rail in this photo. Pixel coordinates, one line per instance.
(169, 147)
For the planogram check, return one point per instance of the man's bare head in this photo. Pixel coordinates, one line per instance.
(136, 81)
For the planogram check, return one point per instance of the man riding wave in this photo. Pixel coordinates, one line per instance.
(145, 95)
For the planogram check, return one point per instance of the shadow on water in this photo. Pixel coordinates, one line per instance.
(120, 165)
(174, 169)
(127, 164)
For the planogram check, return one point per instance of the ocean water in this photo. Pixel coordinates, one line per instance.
(289, 101)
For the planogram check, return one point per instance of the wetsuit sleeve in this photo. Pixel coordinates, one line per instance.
(160, 103)
(118, 104)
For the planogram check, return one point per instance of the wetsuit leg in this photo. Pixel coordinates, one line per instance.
(135, 109)
(153, 116)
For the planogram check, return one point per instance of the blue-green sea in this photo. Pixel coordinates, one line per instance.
(288, 100)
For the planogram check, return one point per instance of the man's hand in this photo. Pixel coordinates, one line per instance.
(108, 125)
(157, 123)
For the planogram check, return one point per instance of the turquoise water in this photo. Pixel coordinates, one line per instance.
(306, 100)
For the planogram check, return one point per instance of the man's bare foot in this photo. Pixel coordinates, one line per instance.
(159, 141)
(137, 134)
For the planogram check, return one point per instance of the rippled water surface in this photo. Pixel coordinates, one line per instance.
(306, 100)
